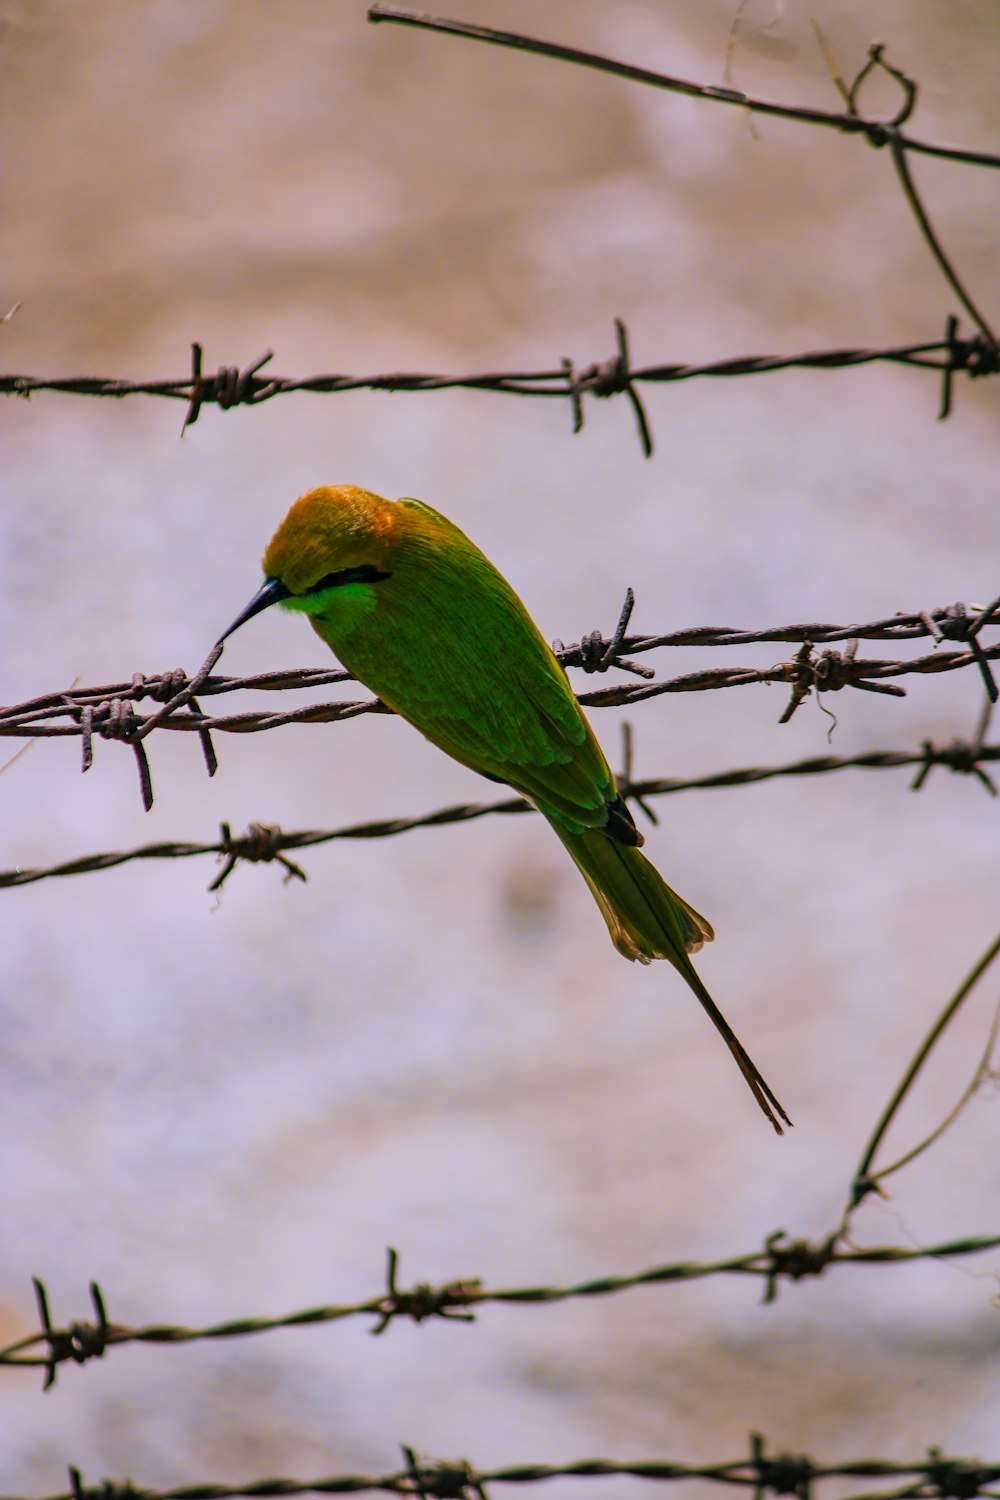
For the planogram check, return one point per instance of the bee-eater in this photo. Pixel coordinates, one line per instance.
(416, 612)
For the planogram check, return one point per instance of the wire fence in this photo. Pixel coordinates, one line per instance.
(263, 843)
(229, 386)
(850, 121)
(932, 1477)
(975, 356)
(109, 712)
(779, 1259)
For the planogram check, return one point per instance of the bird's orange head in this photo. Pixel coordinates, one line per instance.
(332, 538)
(331, 530)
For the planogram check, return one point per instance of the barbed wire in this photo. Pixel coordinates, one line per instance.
(779, 1259)
(266, 842)
(878, 132)
(230, 386)
(109, 711)
(101, 711)
(976, 356)
(932, 1477)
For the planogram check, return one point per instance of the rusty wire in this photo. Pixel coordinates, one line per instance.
(935, 1476)
(976, 356)
(264, 842)
(108, 711)
(878, 132)
(37, 718)
(229, 386)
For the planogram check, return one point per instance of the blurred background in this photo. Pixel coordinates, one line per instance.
(229, 1106)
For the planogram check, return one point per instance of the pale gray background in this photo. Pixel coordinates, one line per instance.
(229, 1107)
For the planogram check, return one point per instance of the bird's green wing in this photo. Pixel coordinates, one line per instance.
(453, 650)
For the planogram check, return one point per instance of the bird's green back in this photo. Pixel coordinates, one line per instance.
(446, 642)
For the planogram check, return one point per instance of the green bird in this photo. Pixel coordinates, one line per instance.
(415, 611)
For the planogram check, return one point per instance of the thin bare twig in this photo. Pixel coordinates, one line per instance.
(983, 1071)
(866, 1181)
(932, 239)
(849, 122)
(877, 131)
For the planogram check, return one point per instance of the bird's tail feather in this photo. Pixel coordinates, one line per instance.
(648, 920)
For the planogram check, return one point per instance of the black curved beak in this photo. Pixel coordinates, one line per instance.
(271, 591)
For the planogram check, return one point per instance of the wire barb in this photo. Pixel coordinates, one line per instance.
(113, 716)
(423, 1301)
(261, 844)
(114, 719)
(795, 1259)
(785, 1474)
(594, 654)
(108, 1489)
(832, 671)
(613, 377)
(955, 624)
(975, 356)
(78, 1342)
(443, 1481)
(184, 697)
(229, 386)
(958, 1478)
(959, 756)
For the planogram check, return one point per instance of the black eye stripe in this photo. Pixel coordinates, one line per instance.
(365, 573)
